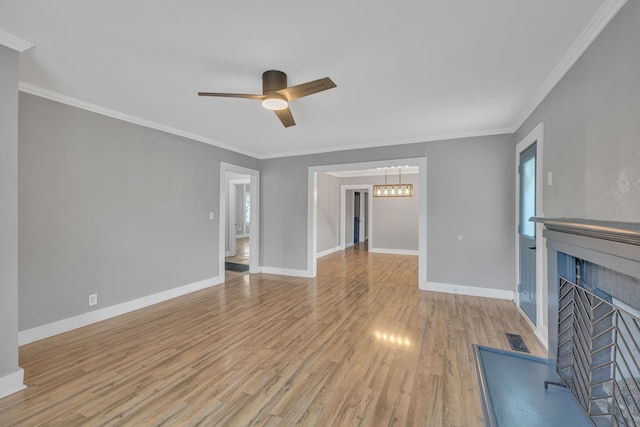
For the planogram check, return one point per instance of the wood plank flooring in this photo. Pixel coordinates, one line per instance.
(358, 345)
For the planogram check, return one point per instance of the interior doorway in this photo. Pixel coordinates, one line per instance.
(421, 195)
(239, 218)
(355, 209)
(238, 242)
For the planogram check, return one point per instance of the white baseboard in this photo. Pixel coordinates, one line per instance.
(241, 236)
(469, 290)
(394, 251)
(12, 383)
(285, 272)
(348, 245)
(327, 252)
(68, 324)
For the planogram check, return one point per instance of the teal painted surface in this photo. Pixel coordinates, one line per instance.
(514, 393)
(527, 250)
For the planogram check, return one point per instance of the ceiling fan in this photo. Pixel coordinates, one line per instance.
(276, 95)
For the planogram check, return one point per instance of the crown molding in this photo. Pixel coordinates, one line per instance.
(74, 102)
(386, 143)
(13, 42)
(604, 15)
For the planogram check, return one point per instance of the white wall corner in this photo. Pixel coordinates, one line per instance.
(474, 291)
(14, 42)
(12, 383)
(75, 322)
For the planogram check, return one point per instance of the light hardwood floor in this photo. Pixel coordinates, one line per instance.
(358, 345)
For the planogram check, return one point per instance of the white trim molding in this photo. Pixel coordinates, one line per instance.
(12, 383)
(389, 142)
(600, 20)
(473, 291)
(327, 252)
(14, 42)
(285, 272)
(75, 322)
(395, 251)
(94, 108)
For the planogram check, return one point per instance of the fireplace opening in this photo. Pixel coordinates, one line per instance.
(598, 351)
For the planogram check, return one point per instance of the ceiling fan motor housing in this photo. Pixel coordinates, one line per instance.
(273, 80)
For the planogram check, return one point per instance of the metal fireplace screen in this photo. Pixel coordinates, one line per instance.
(599, 356)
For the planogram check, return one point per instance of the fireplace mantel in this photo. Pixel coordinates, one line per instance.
(603, 259)
(621, 232)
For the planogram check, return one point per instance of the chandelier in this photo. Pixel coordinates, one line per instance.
(393, 190)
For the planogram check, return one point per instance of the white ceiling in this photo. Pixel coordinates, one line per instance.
(406, 71)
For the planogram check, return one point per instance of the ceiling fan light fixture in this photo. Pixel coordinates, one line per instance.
(275, 103)
(276, 95)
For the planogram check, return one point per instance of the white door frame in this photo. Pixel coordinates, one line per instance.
(343, 212)
(421, 192)
(254, 178)
(542, 318)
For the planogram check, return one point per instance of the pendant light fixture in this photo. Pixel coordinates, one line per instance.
(393, 190)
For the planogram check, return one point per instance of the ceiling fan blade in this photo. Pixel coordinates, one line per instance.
(285, 117)
(232, 95)
(309, 88)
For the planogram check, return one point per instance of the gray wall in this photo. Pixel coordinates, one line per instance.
(112, 208)
(328, 187)
(9, 61)
(395, 220)
(470, 192)
(592, 128)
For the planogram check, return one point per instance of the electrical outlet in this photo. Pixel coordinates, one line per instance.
(93, 299)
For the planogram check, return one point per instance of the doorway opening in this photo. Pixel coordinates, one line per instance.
(238, 242)
(356, 216)
(530, 293)
(317, 214)
(239, 218)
